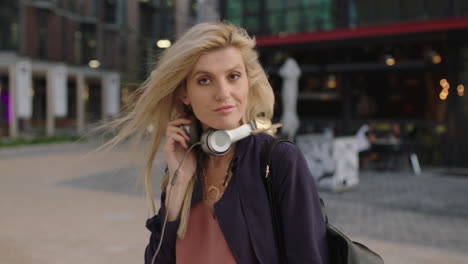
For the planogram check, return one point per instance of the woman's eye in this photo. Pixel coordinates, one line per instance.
(203, 81)
(234, 76)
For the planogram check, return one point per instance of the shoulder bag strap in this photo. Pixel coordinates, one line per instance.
(273, 206)
(274, 209)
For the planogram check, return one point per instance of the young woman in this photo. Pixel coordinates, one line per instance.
(217, 208)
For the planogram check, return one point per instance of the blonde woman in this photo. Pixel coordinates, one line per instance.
(217, 208)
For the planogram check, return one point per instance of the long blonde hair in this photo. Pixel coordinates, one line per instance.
(157, 102)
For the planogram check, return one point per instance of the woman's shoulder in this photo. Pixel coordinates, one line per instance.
(287, 162)
(284, 150)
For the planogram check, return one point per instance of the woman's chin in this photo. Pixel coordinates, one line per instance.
(223, 124)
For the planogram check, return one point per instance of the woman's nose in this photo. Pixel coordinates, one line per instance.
(222, 91)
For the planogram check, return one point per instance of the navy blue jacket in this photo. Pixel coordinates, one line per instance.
(243, 211)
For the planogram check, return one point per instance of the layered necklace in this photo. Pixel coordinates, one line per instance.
(214, 187)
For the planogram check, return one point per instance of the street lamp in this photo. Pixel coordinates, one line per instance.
(163, 43)
(433, 57)
(389, 60)
(94, 64)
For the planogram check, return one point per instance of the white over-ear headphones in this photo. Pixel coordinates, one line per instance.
(219, 142)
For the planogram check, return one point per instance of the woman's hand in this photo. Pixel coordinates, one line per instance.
(174, 150)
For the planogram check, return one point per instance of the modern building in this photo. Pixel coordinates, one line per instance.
(390, 61)
(65, 64)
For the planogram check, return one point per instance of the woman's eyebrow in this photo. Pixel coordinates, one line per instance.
(202, 71)
(235, 67)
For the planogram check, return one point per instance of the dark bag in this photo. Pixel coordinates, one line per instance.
(341, 249)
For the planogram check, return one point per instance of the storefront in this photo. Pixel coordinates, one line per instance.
(411, 76)
(398, 64)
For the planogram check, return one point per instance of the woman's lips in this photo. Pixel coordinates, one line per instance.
(225, 109)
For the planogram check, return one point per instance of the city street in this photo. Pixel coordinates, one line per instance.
(63, 204)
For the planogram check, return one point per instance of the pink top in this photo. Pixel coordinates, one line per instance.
(204, 241)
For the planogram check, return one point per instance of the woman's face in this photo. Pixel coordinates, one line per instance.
(217, 89)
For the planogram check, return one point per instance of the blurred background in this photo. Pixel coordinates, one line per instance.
(390, 73)
(66, 64)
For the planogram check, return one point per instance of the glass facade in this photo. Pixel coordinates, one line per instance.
(278, 16)
(370, 12)
(270, 17)
(388, 78)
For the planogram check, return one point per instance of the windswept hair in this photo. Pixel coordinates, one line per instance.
(157, 101)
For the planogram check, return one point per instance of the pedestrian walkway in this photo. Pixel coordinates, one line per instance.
(406, 215)
(61, 206)
(46, 221)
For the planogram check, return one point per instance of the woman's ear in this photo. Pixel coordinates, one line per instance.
(182, 94)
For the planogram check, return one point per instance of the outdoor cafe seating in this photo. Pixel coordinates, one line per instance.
(394, 152)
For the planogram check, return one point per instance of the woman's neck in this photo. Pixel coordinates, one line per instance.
(217, 161)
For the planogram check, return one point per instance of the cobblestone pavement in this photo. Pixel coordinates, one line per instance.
(92, 211)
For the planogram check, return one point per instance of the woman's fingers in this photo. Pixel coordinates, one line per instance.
(176, 137)
(177, 130)
(179, 121)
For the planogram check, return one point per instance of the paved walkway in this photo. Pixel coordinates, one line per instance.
(406, 218)
(61, 206)
(46, 219)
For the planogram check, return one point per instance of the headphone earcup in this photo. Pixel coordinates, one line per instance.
(215, 142)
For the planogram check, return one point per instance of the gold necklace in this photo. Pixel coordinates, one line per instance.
(213, 192)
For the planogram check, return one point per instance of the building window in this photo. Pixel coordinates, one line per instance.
(123, 53)
(252, 15)
(463, 8)
(78, 47)
(110, 56)
(62, 3)
(234, 12)
(275, 16)
(9, 29)
(163, 22)
(436, 8)
(122, 13)
(194, 10)
(81, 7)
(64, 38)
(85, 44)
(110, 11)
(95, 8)
(42, 22)
(378, 12)
(72, 6)
(146, 20)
